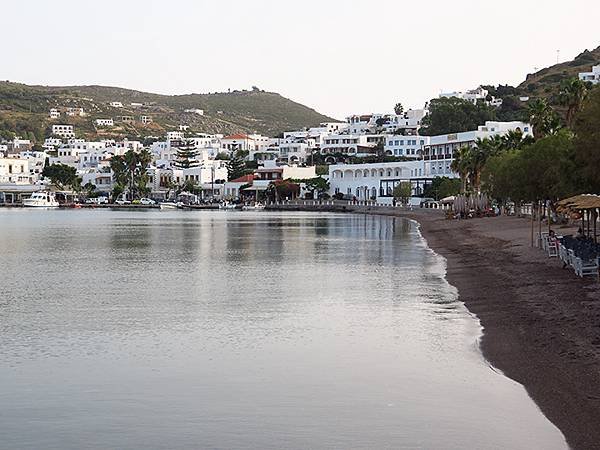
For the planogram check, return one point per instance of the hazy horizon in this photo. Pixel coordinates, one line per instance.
(336, 57)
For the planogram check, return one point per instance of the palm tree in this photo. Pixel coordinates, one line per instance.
(539, 116)
(512, 140)
(461, 164)
(572, 93)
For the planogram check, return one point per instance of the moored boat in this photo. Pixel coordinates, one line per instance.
(254, 207)
(228, 206)
(169, 205)
(41, 199)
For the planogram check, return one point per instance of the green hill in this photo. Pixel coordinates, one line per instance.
(546, 82)
(24, 110)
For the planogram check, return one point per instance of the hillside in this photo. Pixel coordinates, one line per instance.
(546, 82)
(24, 110)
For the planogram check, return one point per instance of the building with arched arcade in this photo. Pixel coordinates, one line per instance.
(376, 181)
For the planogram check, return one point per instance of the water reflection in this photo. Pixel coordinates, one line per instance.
(234, 330)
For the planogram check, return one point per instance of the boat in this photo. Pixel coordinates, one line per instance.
(169, 205)
(41, 199)
(228, 206)
(254, 207)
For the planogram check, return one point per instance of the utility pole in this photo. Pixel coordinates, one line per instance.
(212, 181)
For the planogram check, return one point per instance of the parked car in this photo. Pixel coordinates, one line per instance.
(97, 200)
(122, 201)
(147, 201)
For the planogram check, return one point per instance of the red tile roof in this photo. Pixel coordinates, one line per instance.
(237, 136)
(244, 179)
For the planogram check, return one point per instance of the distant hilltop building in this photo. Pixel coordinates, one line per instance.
(63, 131)
(145, 119)
(105, 122)
(592, 77)
(116, 104)
(54, 113)
(75, 112)
(474, 96)
(200, 112)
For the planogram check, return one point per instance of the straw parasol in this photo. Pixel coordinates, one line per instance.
(584, 203)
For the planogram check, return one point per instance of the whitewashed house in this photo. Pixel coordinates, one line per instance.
(54, 113)
(592, 77)
(407, 146)
(66, 131)
(15, 171)
(75, 112)
(105, 122)
(199, 112)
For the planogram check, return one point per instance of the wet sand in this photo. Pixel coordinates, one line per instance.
(541, 322)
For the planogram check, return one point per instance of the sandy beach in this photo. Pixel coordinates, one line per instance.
(541, 322)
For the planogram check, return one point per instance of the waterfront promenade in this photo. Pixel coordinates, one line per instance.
(541, 322)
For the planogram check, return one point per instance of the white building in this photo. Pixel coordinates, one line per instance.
(439, 153)
(593, 76)
(408, 146)
(15, 171)
(63, 130)
(116, 104)
(474, 96)
(294, 152)
(105, 122)
(199, 112)
(36, 161)
(52, 143)
(175, 135)
(100, 177)
(235, 142)
(376, 181)
(351, 144)
(145, 119)
(54, 113)
(75, 112)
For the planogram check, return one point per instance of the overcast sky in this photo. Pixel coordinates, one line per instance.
(337, 56)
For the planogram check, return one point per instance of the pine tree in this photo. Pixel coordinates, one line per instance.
(186, 157)
(236, 168)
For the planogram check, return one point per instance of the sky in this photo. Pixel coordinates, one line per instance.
(338, 57)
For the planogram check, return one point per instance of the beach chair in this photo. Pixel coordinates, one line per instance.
(551, 247)
(571, 257)
(543, 240)
(586, 267)
(562, 253)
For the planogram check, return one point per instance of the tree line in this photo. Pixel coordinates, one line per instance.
(561, 159)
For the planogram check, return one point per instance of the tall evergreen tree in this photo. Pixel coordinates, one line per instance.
(236, 167)
(186, 157)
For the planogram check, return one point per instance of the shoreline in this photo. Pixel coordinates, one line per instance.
(541, 323)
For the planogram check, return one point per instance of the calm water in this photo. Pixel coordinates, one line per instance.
(153, 329)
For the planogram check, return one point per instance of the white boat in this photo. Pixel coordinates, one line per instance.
(41, 199)
(254, 207)
(169, 205)
(227, 206)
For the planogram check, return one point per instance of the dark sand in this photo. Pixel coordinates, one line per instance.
(541, 322)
